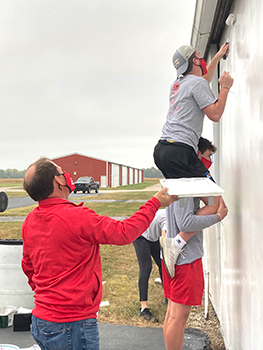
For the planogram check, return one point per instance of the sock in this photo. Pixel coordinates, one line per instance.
(179, 242)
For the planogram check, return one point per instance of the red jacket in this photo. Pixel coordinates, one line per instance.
(61, 255)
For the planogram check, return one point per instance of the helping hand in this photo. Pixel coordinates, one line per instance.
(164, 198)
(224, 50)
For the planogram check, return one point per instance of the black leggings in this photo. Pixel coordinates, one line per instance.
(177, 160)
(145, 250)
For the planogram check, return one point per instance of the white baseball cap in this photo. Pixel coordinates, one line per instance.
(180, 58)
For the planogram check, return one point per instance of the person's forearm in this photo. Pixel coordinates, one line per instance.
(187, 235)
(206, 210)
(215, 111)
(117, 232)
(212, 68)
(221, 102)
(195, 222)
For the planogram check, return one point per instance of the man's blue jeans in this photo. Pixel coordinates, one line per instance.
(78, 335)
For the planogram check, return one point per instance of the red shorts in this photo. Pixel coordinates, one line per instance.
(187, 286)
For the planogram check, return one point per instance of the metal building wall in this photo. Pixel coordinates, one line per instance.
(234, 252)
(78, 165)
(107, 173)
(213, 236)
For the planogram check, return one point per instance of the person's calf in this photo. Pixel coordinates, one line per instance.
(177, 315)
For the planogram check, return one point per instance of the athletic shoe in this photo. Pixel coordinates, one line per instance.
(170, 254)
(146, 313)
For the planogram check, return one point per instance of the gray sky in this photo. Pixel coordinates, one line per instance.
(87, 76)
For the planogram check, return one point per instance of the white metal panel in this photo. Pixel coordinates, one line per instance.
(136, 176)
(238, 298)
(115, 175)
(124, 181)
(103, 181)
(131, 176)
(140, 176)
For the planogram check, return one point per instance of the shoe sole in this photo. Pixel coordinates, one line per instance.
(164, 254)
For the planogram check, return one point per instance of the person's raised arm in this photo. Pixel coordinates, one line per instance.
(211, 68)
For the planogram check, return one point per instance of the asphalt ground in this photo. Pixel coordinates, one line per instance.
(119, 337)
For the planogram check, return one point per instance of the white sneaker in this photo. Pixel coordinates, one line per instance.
(170, 254)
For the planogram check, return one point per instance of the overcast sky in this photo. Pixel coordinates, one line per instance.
(87, 76)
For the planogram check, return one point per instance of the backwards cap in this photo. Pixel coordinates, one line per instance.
(180, 58)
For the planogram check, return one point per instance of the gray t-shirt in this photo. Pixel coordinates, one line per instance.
(184, 219)
(158, 224)
(184, 121)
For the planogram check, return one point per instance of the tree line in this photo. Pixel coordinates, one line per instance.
(12, 174)
(18, 174)
(152, 173)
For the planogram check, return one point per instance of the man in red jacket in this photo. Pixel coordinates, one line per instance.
(61, 256)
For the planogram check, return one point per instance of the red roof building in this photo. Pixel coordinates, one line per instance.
(107, 173)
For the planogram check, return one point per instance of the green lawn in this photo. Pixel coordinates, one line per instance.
(120, 270)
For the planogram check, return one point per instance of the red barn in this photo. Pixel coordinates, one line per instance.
(107, 173)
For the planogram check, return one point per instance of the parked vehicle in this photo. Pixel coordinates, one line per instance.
(3, 201)
(86, 184)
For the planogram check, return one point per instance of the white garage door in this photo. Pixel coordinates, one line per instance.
(124, 181)
(115, 175)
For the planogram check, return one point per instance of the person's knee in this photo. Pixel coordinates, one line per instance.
(179, 313)
(146, 271)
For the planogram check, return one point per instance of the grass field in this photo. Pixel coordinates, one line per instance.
(11, 185)
(11, 182)
(120, 271)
